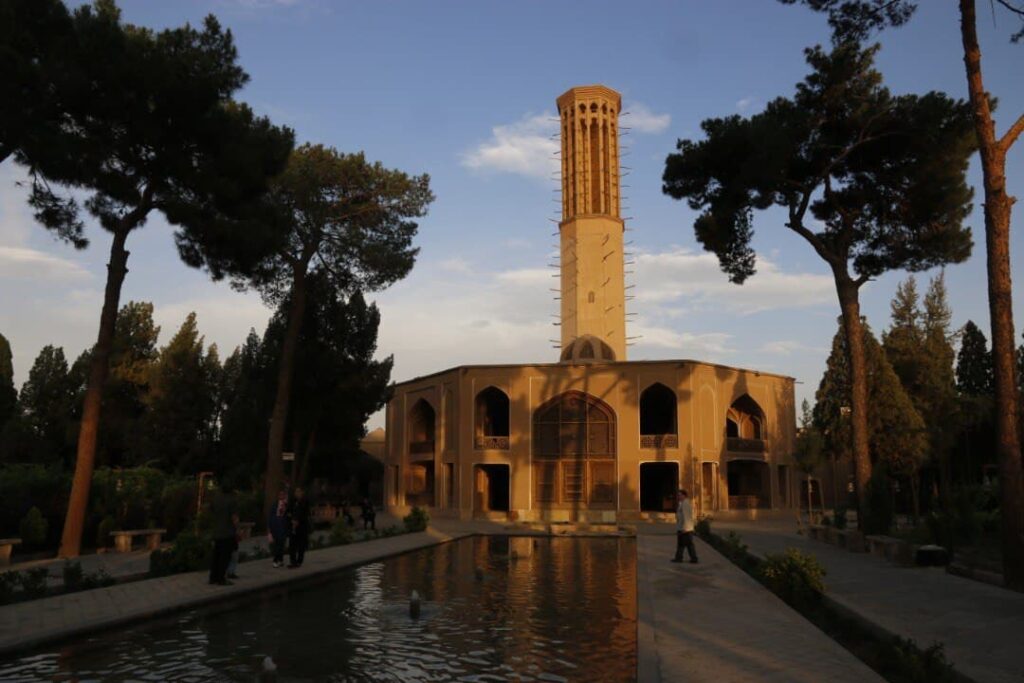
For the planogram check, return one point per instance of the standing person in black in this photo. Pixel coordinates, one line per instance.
(223, 511)
(300, 528)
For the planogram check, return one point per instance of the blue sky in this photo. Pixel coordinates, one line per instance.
(463, 91)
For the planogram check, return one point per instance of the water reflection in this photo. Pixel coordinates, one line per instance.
(546, 609)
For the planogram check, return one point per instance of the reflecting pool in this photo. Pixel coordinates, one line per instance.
(493, 609)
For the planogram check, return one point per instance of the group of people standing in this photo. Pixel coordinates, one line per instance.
(289, 523)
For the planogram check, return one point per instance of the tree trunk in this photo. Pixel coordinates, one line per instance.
(915, 492)
(88, 434)
(301, 479)
(997, 246)
(849, 302)
(286, 367)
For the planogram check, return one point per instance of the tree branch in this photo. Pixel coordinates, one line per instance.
(1011, 135)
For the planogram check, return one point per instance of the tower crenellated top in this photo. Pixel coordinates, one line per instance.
(589, 119)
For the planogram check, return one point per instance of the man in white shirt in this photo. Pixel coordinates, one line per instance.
(684, 528)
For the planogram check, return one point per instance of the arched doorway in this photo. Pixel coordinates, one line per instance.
(419, 484)
(574, 453)
(745, 426)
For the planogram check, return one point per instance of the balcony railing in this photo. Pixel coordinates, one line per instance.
(421, 447)
(659, 441)
(491, 443)
(738, 445)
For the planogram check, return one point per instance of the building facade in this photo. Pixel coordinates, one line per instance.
(593, 437)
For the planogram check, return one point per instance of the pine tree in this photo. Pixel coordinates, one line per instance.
(8, 394)
(180, 403)
(973, 363)
(46, 399)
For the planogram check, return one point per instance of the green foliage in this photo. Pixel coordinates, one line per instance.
(703, 527)
(33, 582)
(46, 402)
(103, 529)
(189, 552)
(896, 431)
(8, 584)
(919, 666)
(856, 20)
(8, 394)
(974, 371)
(810, 442)
(341, 534)
(795, 577)
(24, 486)
(391, 530)
(178, 425)
(75, 579)
(416, 520)
(33, 527)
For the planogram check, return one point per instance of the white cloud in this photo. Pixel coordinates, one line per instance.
(746, 104)
(642, 120)
(24, 263)
(524, 147)
(788, 347)
(682, 278)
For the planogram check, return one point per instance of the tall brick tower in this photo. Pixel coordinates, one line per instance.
(593, 317)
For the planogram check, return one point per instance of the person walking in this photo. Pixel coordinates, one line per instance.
(223, 511)
(278, 527)
(300, 528)
(684, 528)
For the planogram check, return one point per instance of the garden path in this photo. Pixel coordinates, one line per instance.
(980, 625)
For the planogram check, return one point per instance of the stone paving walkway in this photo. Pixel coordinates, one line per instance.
(711, 622)
(981, 626)
(29, 624)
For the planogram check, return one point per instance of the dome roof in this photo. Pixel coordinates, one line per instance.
(587, 349)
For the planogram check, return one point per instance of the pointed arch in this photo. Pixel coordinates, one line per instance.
(658, 417)
(492, 417)
(745, 426)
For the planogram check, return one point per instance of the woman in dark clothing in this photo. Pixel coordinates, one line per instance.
(300, 528)
(278, 526)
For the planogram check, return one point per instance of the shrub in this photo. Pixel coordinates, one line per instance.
(33, 582)
(8, 580)
(917, 665)
(341, 534)
(74, 577)
(103, 531)
(840, 518)
(389, 531)
(23, 486)
(190, 552)
(793, 576)
(416, 520)
(33, 528)
(703, 527)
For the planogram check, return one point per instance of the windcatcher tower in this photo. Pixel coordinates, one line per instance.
(593, 300)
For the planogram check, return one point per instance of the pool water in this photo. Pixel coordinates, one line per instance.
(541, 609)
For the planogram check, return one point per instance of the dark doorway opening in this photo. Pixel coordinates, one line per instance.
(658, 484)
(492, 488)
(749, 484)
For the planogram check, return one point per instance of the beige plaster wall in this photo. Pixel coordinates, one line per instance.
(704, 393)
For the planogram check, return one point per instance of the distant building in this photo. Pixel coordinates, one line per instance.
(592, 437)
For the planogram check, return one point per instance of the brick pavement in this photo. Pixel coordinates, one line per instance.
(980, 625)
(711, 622)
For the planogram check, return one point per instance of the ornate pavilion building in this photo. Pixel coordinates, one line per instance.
(593, 437)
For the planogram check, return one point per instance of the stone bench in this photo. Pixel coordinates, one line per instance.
(245, 529)
(6, 545)
(123, 539)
